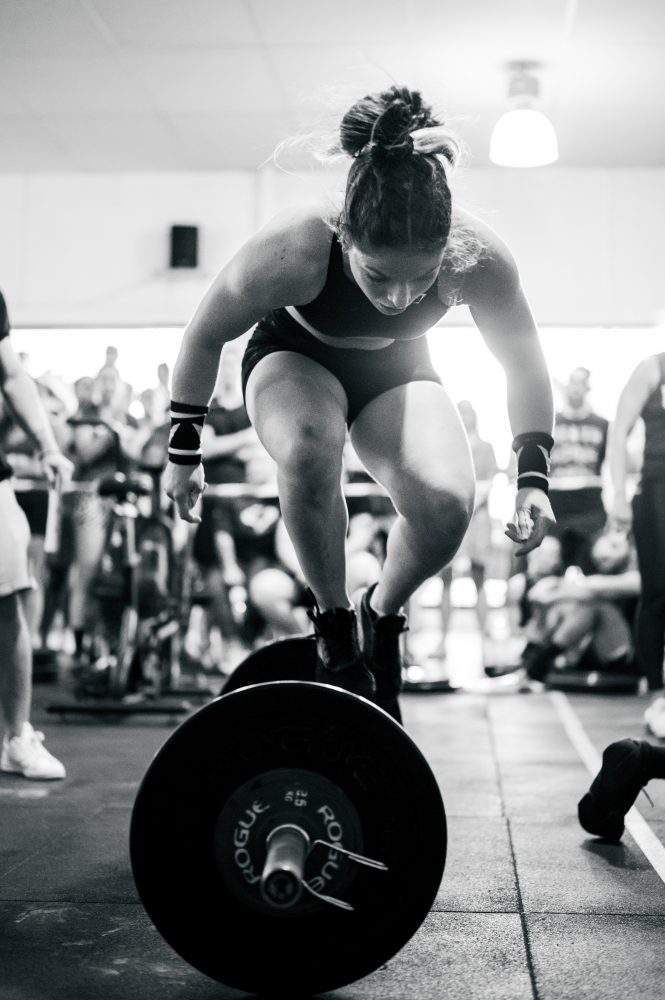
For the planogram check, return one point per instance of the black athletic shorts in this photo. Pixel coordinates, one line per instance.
(363, 374)
(34, 504)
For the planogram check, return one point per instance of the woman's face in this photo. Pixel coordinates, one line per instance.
(393, 279)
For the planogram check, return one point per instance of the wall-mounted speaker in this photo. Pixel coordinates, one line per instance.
(184, 246)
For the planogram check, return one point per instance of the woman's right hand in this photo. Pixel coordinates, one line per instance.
(184, 484)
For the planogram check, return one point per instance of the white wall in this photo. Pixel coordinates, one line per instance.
(91, 249)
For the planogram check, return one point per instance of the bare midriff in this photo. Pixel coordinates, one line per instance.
(359, 343)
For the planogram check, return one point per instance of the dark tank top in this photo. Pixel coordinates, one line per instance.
(653, 415)
(341, 309)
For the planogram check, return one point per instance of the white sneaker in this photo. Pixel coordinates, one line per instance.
(27, 755)
(654, 717)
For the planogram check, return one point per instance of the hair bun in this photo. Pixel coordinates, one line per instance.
(384, 119)
(391, 129)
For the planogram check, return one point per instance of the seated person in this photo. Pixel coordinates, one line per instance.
(583, 622)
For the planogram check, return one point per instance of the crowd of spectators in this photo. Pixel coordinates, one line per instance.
(576, 595)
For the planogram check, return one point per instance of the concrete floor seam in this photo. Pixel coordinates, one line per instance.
(513, 859)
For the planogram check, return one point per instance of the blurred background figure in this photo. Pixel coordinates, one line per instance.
(227, 442)
(162, 391)
(477, 545)
(643, 397)
(22, 751)
(580, 440)
(572, 622)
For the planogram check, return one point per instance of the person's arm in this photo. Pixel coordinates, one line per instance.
(501, 312)
(600, 586)
(643, 381)
(24, 400)
(25, 403)
(225, 547)
(284, 264)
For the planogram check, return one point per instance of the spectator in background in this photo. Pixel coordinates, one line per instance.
(84, 390)
(580, 439)
(477, 542)
(23, 751)
(123, 392)
(104, 440)
(227, 440)
(32, 491)
(162, 390)
(111, 362)
(585, 622)
(644, 396)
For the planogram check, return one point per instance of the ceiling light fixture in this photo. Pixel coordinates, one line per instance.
(523, 136)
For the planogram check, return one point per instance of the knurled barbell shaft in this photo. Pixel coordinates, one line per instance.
(284, 869)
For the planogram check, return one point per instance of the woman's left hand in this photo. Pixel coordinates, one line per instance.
(533, 511)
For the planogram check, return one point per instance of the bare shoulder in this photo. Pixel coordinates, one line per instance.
(289, 254)
(647, 373)
(492, 269)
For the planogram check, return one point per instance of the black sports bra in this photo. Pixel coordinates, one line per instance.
(341, 309)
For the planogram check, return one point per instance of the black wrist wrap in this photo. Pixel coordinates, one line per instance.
(185, 436)
(533, 460)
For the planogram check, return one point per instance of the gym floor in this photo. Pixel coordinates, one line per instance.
(530, 906)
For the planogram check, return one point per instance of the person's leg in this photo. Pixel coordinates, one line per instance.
(299, 411)
(611, 638)
(411, 439)
(478, 577)
(22, 750)
(445, 609)
(576, 622)
(89, 540)
(649, 534)
(33, 601)
(16, 660)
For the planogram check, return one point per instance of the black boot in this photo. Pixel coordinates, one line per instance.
(538, 659)
(339, 657)
(383, 655)
(627, 767)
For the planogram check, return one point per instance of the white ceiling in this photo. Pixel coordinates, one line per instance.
(215, 84)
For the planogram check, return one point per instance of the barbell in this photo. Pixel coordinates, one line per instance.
(289, 837)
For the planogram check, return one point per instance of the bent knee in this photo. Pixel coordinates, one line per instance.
(449, 510)
(312, 451)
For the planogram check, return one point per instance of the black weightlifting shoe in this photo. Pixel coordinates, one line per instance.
(383, 655)
(625, 771)
(339, 657)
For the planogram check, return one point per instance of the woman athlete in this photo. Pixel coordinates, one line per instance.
(343, 306)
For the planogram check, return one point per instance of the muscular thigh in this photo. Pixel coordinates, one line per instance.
(291, 398)
(412, 437)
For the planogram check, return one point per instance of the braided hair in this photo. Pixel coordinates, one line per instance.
(396, 196)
